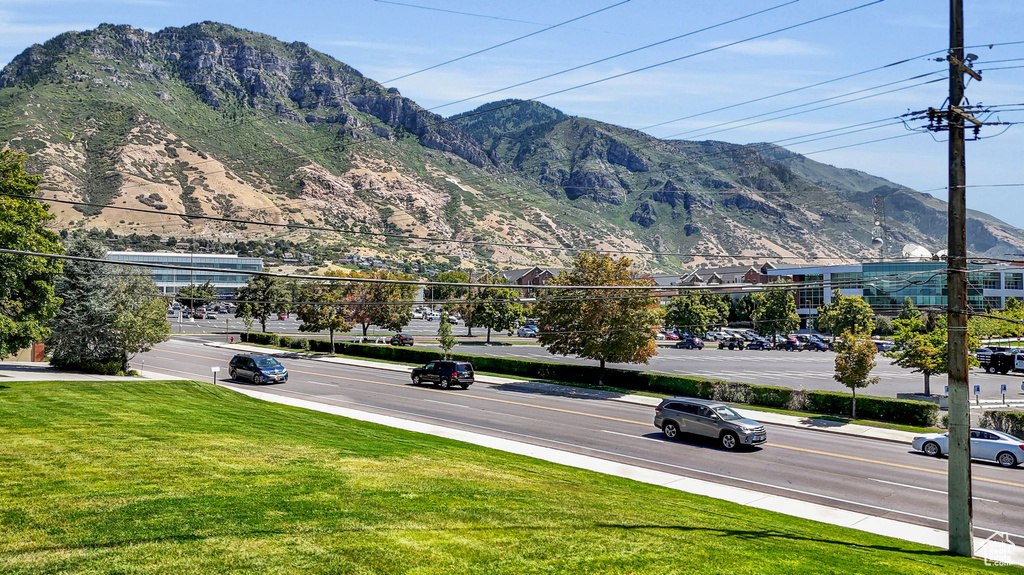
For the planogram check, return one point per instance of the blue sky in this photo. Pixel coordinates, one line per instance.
(387, 40)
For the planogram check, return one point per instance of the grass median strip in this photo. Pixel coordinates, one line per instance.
(185, 477)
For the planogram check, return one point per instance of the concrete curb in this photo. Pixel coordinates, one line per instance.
(822, 425)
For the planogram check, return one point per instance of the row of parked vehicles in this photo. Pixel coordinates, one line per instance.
(749, 340)
(204, 312)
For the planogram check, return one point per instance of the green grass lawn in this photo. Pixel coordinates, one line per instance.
(184, 477)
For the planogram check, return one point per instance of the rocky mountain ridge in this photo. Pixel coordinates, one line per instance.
(215, 121)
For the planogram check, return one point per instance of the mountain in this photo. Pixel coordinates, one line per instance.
(218, 121)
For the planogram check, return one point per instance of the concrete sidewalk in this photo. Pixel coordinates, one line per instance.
(823, 425)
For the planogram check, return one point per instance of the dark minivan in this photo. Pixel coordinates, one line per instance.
(257, 368)
(444, 373)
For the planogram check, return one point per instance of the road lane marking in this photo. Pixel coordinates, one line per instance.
(644, 423)
(633, 436)
(926, 489)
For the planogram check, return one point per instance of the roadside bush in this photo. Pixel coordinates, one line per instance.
(902, 411)
(905, 411)
(1011, 422)
(110, 367)
(770, 396)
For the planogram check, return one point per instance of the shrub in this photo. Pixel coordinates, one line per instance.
(902, 411)
(1011, 422)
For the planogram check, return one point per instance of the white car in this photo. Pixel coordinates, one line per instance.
(1003, 448)
(417, 314)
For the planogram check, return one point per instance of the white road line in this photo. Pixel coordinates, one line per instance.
(926, 489)
(334, 385)
(446, 403)
(634, 436)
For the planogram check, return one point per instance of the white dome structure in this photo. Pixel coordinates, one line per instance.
(916, 251)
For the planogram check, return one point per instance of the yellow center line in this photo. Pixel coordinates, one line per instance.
(584, 414)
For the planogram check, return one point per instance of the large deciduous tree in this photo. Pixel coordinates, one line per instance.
(384, 304)
(775, 311)
(846, 313)
(260, 297)
(193, 295)
(697, 311)
(27, 298)
(855, 358)
(616, 325)
(140, 317)
(323, 306)
(496, 306)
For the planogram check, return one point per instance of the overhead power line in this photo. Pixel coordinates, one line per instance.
(506, 43)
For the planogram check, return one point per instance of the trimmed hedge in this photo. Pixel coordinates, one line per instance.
(1011, 422)
(907, 412)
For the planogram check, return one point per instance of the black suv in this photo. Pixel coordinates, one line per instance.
(401, 339)
(444, 374)
(257, 368)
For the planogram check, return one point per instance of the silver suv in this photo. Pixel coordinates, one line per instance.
(708, 418)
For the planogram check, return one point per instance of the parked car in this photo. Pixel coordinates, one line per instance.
(760, 344)
(417, 314)
(401, 339)
(211, 315)
(527, 331)
(883, 345)
(444, 374)
(257, 368)
(671, 336)
(678, 415)
(1003, 448)
(815, 345)
(282, 315)
(791, 344)
(732, 342)
(690, 342)
(433, 316)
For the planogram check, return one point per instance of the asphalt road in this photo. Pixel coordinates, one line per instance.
(870, 476)
(797, 370)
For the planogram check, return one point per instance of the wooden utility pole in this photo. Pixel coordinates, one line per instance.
(961, 523)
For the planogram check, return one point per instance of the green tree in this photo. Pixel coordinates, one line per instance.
(79, 337)
(775, 311)
(323, 306)
(883, 325)
(743, 308)
(260, 297)
(384, 304)
(855, 358)
(140, 316)
(497, 306)
(616, 325)
(697, 311)
(846, 313)
(110, 313)
(909, 310)
(27, 298)
(445, 337)
(445, 293)
(193, 296)
(921, 352)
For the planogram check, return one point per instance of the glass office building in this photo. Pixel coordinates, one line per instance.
(885, 285)
(169, 280)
